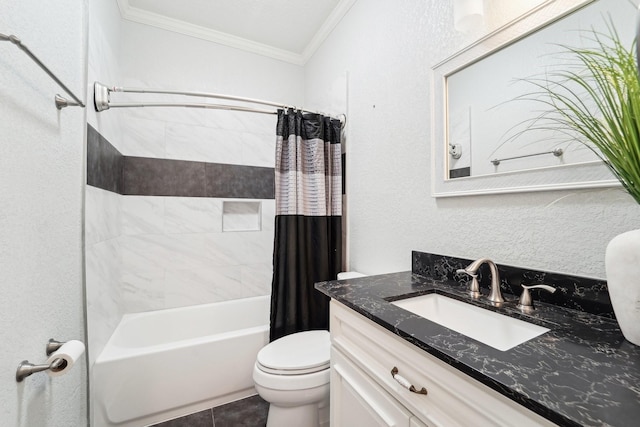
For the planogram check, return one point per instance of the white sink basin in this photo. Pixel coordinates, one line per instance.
(499, 331)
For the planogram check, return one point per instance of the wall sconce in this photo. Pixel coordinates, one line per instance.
(468, 15)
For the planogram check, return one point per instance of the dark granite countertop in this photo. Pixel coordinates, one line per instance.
(582, 372)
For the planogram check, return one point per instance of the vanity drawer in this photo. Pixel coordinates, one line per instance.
(453, 399)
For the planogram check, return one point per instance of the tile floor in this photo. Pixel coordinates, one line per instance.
(249, 412)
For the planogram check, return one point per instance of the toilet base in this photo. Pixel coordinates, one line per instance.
(304, 416)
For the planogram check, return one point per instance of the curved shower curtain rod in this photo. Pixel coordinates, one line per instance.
(102, 101)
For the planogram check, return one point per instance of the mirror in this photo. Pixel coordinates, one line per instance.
(476, 117)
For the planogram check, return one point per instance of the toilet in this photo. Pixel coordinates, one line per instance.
(292, 374)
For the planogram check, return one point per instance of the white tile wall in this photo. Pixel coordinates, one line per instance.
(102, 266)
(241, 216)
(192, 215)
(205, 144)
(143, 137)
(180, 256)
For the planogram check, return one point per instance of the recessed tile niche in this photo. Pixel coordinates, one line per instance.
(241, 216)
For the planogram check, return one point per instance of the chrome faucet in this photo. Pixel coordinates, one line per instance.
(525, 304)
(495, 296)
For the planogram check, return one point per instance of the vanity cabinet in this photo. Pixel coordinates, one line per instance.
(357, 400)
(364, 392)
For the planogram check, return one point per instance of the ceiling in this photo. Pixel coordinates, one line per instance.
(288, 30)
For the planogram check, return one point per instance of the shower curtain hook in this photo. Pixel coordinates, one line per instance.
(344, 122)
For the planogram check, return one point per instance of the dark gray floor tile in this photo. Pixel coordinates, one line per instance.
(249, 412)
(199, 419)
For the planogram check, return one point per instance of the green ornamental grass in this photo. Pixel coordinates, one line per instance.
(597, 103)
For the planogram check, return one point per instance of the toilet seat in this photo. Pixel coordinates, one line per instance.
(301, 353)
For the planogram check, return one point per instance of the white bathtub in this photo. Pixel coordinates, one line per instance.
(164, 364)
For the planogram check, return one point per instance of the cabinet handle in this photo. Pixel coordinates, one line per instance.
(405, 383)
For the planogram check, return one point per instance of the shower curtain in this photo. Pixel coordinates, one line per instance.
(308, 227)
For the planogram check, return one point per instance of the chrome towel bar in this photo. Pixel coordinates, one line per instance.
(557, 152)
(60, 101)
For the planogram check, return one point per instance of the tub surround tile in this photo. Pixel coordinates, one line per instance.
(256, 279)
(268, 215)
(104, 300)
(143, 137)
(192, 215)
(259, 247)
(581, 372)
(578, 293)
(201, 286)
(247, 181)
(170, 250)
(241, 216)
(226, 248)
(145, 253)
(105, 164)
(142, 292)
(258, 149)
(142, 215)
(145, 176)
(102, 215)
(163, 177)
(108, 169)
(204, 144)
(186, 251)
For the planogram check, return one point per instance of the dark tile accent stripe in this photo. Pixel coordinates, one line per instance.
(578, 293)
(459, 173)
(144, 176)
(105, 164)
(239, 181)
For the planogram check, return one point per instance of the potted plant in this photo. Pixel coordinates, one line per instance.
(597, 102)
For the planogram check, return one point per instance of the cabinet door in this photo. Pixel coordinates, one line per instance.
(357, 401)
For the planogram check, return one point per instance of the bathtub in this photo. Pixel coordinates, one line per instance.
(168, 363)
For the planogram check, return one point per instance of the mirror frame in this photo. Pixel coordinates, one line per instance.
(593, 174)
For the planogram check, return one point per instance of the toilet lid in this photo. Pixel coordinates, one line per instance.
(299, 353)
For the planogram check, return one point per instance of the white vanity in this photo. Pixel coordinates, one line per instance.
(577, 371)
(364, 392)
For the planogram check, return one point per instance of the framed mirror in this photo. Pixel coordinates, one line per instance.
(478, 146)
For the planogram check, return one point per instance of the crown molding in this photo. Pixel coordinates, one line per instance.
(327, 27)
(160, 21)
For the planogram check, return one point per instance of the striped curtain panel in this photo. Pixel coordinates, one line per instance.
(308, 228)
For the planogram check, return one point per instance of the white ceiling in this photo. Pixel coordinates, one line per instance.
(288, 30)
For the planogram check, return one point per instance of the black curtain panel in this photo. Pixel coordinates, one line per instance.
(308, 226)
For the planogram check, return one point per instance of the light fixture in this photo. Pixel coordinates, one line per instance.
(468, 15)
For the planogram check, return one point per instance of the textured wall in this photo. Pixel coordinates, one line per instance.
(388, 50)
(41, 172)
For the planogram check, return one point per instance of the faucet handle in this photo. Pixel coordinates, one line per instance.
(526, 302)
(474, 289)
